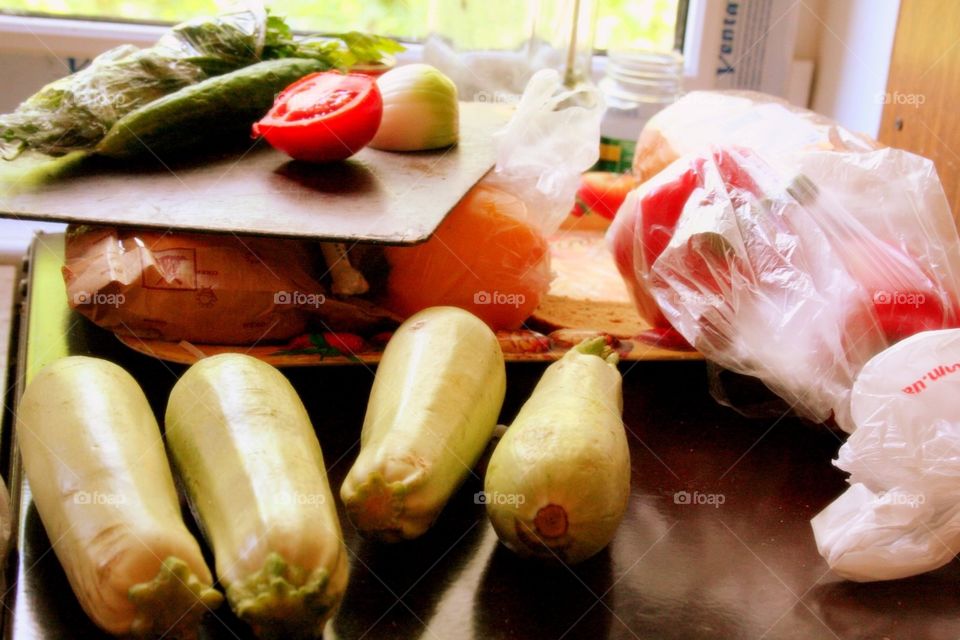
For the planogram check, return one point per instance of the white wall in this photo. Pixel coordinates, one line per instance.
(853, 60)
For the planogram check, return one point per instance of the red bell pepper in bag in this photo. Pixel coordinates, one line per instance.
(662, 208)
(653, 220)
(774, 282)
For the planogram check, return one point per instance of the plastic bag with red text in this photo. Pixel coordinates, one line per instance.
(901, 514)
(795, 274)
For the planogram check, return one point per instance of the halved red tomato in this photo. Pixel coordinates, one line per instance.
(323, 117)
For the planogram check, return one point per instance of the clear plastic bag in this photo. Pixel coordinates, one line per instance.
(748, 118)
(772, 274)
(901, 514)
(550, 141)
(490, 255)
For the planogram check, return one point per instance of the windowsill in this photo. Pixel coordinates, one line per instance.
(73, 37)
(68, 36)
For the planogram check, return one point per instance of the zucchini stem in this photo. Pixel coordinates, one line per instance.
(378, 508)
(598, 347)
(161, 602)
(281, 601)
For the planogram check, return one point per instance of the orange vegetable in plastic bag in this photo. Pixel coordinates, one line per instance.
(490, 255)
(481, 258)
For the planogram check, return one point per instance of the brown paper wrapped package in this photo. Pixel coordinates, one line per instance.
(205, 288)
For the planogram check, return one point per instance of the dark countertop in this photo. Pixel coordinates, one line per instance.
(741, 565)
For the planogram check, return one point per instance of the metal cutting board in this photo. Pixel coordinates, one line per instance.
(375, 196)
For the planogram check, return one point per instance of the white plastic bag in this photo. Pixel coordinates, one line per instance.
(901, 514)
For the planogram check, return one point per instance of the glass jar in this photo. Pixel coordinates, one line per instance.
(637, 84)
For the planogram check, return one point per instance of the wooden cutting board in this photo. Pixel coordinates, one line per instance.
(376, 196)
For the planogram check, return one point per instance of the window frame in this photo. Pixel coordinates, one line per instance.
(61, 36)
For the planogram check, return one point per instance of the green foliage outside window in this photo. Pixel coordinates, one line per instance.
(501, 24)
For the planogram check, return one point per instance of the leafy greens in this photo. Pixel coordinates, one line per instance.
(76, 112)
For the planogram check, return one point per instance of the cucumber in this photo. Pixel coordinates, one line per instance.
(433, 407)
(102, 485)
(217, 109)
(243, 446)
(558, 482)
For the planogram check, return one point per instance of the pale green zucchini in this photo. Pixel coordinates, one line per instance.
(243, 446)
(558, 482)
(99, 476)
(433, 407)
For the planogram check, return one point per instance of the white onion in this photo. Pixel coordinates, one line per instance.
(419, 109)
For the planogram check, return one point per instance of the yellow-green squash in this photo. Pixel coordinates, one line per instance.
(558, 482)
(432, 410)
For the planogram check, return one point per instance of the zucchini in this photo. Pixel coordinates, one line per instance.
(95, 462)
(219, 108)
(243, 446)
(558, 482)
(433, 407)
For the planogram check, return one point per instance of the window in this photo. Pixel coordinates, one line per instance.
(480, 24)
